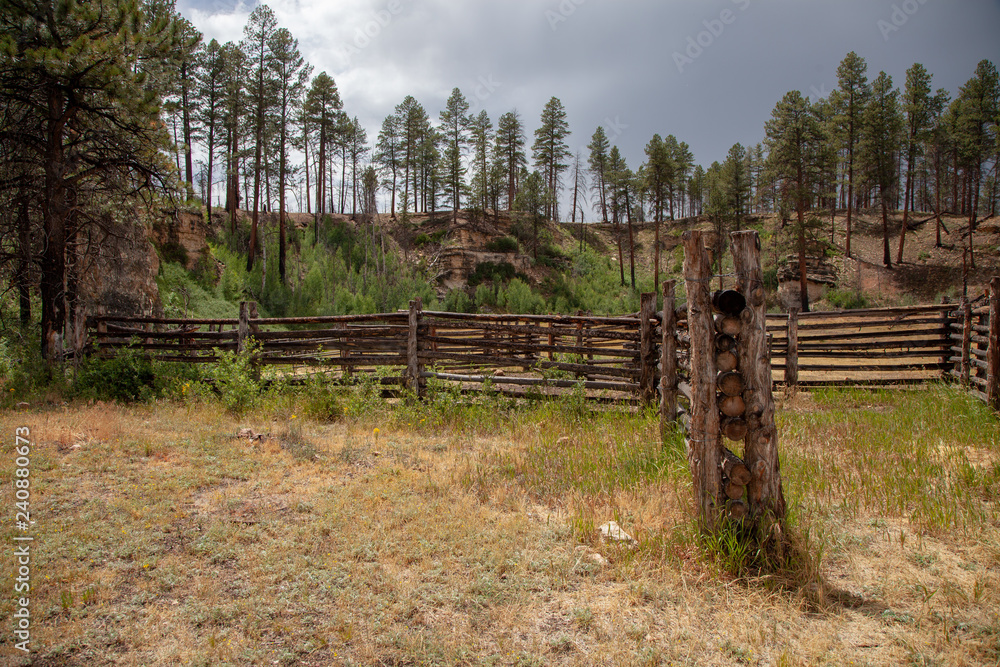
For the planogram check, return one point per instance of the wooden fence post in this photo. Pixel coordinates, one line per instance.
(761, 442)
(966, 341)
(792, 354)
(243, 330)
(704, 445)
(668, 358)
(413, 379)
(993, 351)
(647, 349)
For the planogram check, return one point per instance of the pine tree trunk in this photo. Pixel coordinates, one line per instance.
(631, 240)
(24, 264)
(906, 207)
(885, 230)
(186, 119)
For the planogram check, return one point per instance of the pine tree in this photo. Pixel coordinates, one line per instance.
(455, 129)
(550, 152)
(389, 154)
(532, 199)
(598, 163)
(880, 142)
(291, 74)
(510, 143)
(658, 168)
(849, 101)
(234, 106)
(579, 193)
(481, 131)
(86, 128)
(321, 106)
(258, 34)
(211, 94)
(939, 146)
(794, 139)
(673, 150)
(683, 161)
(358, 151)
(976, 136)
(615, 176)
(917, 105)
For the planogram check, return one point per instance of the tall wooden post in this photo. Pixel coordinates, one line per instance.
(704, 444)
(668, 358)
(647, 349)
(248, 313)
(761, 443)
(993, 351)
(243, 332)
(792, 355)
(966, 341)
(413, 379)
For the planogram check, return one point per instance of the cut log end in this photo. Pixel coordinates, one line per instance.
(729, 325)
(734, 469)
(735, 428)
(737, 509)
(726, 361)
(734, 491)
(730, 383)
(732, 406)
(728, 302)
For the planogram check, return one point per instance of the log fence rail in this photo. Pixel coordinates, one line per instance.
(640, 358)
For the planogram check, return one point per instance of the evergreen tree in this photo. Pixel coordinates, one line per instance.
(657, 171)
(880, 142)
(531, 199)
(673, 150)
(976, 136)
(940, 147)
(481, 131)
(211, 94)
(795, 140)
(616, 175)
(389, 154)
(258, 35)
(510, 143)
(683, 161)
(598, 163)
(550, 152)
(234, 107)
(85, 127)
(321, 106)
(455, 129)
(291, 74)
(357, 142)
(849, 101)
(917, 105)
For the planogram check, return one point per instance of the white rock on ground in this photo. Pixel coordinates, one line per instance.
(612, 532)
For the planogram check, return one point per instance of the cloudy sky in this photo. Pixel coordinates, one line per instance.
(707, 71)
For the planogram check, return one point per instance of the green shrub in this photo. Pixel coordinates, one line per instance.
(127, 376)
(457, 301)
(495, 272)
(502, 244)
(322, 398)
(237, 379)
(847, 299)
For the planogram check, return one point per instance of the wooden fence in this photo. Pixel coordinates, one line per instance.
(610, 358)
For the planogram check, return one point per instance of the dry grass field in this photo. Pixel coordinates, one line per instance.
(465, 534)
